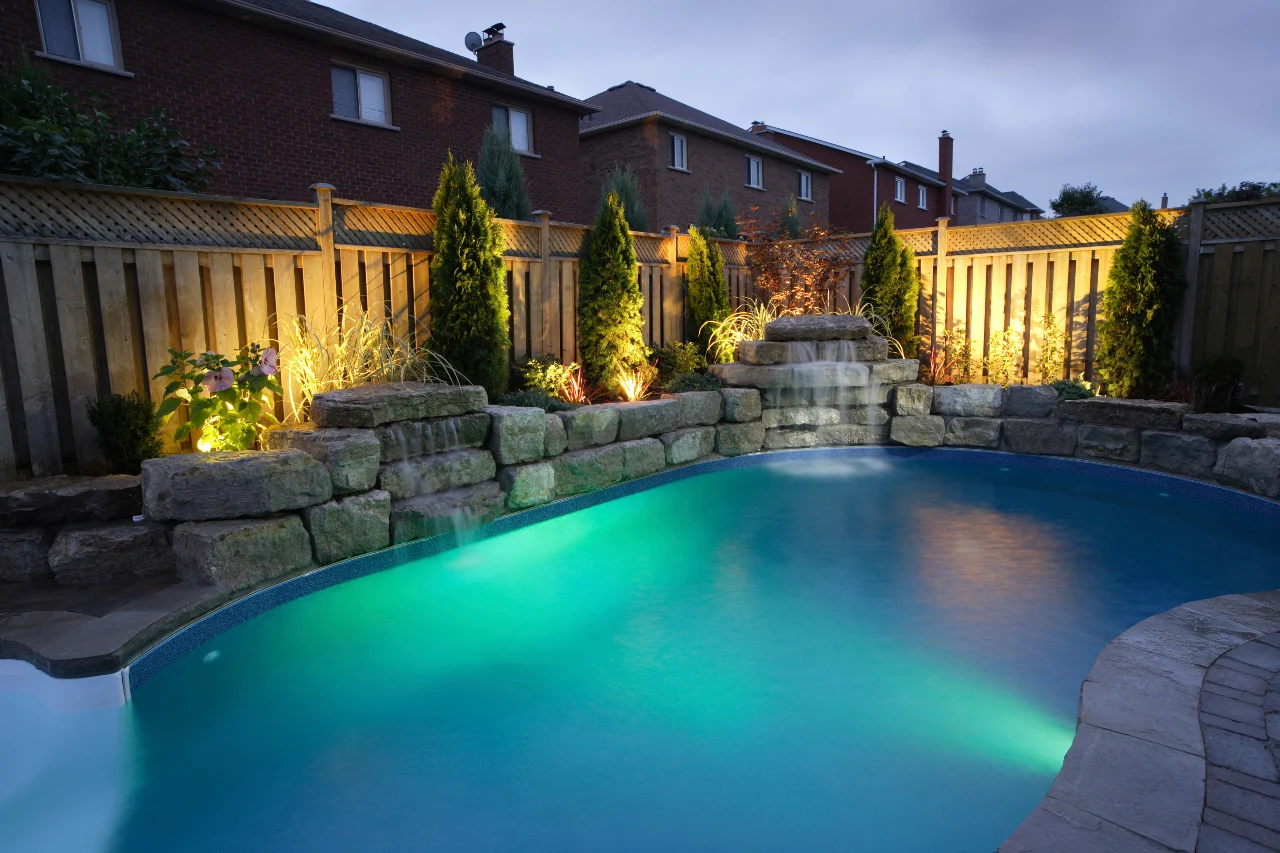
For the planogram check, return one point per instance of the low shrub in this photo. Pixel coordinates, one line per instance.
(546, 373)
(535, 398)
(634, 384)
(1073, 389)
(675, 358)
(128, 430)
(228, 400)
(1216, 386)
(682, 382)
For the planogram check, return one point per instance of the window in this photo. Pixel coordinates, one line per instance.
(360, 95)
(755, 173)
(953, 205)
(924, 198)
(982, 206)
(900, 190)
(679, 153)
(806, 187)
(517, 125)
(80, 30)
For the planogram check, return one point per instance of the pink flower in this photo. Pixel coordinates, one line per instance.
(269, 364)
(218, 380)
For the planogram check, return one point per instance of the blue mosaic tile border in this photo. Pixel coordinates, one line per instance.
(160, 655)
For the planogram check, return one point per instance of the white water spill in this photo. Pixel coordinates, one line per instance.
(828, 373)
(832, 469)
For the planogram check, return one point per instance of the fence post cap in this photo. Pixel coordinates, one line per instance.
(323, 186)
(545, 213)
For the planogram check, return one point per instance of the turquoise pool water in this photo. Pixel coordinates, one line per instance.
(859, 654)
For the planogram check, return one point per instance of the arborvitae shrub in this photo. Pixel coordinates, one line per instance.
(469, 312)
(674, 358)
(623, 183)
(890, 282)
(1140, 308)
(128, 430)
(610, 322)
(501, 177)
(708, 293)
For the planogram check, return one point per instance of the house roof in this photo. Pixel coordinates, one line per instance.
(905, 168)
(963, 186)
(327, 24)
(1113, 205)
(631, 103)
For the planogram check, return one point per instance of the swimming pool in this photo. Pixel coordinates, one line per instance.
(818, 651)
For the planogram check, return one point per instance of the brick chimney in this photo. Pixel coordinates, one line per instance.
(758, 127)
(978, 178)
(496, 52)
(945, 156)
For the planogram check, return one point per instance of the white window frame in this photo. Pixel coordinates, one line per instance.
(900, 190)
(528, 118)
(386, 95)
(805, 189)
(924, 197)
(680, 143)
(112, 22)
(756, 165)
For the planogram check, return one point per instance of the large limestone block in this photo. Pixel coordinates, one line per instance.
(818, 327)
(241, 553)
(232, 484)
(699, 408)
(349, 455)
(590, 426)
(1107, 442)
(1110, 411)
(821, 374)
(776, 398)
(1045, 437)
(973, 432)
(913, 399)
(896, 371)
(96, 553)
(438, 472)
(374, 405)
(1178, 453)
(968, 401)
(865, 415)
(1029, 401)
(528, 485)
(792, 416)
(404, 439)
(24, 553)
(853, 434)
(589, 469)
(63, 499)
(1252, 464)
(761, 352)
(642, 457)
(918, 430)
(646, 417)
(455, 511)
(870, 348)
(1223, 427)
(739, 439)
(350, 526)
(555, 439)
(785, 438)
(688, 445)
(518, 433)
(741, 405)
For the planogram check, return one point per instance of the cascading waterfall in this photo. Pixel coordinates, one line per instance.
(833, 367)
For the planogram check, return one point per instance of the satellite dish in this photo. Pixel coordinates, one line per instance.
(473, 42)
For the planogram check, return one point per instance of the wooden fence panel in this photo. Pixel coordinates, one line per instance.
(253, 283)
(1266, 365)
(1078, 311)
(420, 272)
(155, 328)
(116, 321)
(190, 289)
(26, 317)
(77, 352)
(398, 285)
(1018, 308)
(375, 285)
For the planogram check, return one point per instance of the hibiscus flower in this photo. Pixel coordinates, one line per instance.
(269, 364)
(218, 380)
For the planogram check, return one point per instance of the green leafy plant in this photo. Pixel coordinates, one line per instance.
(228, 401)
(1083, 200)
(708, 292)
(469, 311)
(128, 430)
(1140, 309)
(890, 282)
(501, 177)
(717, 219)
(536, 398)
(1243, 191)
(549, 375)
(1001, 362)
(682, 382)
(623, 183)
(1049, 360)
(674, 358)
(46, 133)
(789, 224)
(1073, 389)
(610, 322)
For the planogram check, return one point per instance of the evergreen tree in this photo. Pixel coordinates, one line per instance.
(623, 183)
(501, 176)
(1140, 307)
(708, 291)
(890, 282)
(1083, 200)
(716, 219)
(469, 311)
(610, 322)
(789, 220)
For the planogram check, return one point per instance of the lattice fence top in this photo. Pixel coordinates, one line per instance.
(1038, 234)
(735, 253)
(40, 211)
(1243, 221)
(650, 249)
(521, 240)
(405, 228)
(921, 241)
(566, 240)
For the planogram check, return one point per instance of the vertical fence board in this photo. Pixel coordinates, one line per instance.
(186, 277)
(398, 284)
(349, 280)
(1018, 308)
(568, 311)
(1061, 272)
(519, 312)
(1039, 275)
(253, 281)
(77, 352)
(121, 366)
(284, 282)
(1268, 332)
(537, 309)
(978, 314)
(8, 459)
(420, 265)
(1079, 311)
(18, 263)
(960, 294)
(1247, 301)
(375, 285)
(226, 331)
(320, 308)
(1219, 299)
(924, 305)
(155, 329)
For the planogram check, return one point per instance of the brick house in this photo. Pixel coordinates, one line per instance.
(680, 153)
(291, 93)
(979, 203)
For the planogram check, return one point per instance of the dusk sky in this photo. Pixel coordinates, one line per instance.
(1139, 96)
